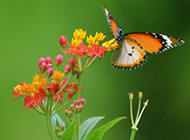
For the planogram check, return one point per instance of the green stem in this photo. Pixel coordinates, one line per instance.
(133, 134)
(131, 112)
(138, 111)
(39, 111)
(49, 123)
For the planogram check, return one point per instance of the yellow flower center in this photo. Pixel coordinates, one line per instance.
(57, 75)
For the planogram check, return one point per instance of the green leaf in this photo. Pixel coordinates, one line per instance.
(98, 133)
(87, 126)
(57, 121)
(70, 131)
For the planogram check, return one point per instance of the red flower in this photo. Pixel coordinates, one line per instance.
(96, 50)
(39, 95)
(28, 101)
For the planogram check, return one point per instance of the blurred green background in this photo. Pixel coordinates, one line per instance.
(31, 29)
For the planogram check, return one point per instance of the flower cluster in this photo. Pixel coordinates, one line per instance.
(37, 91)
(77, 46)
(75, 107)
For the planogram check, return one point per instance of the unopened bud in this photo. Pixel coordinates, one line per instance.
(72, 62)
(59, 134)
(58, 60)
(49, 65)
(66, 111)
(76, 102)
(48, 60)
(56, 129)
(69, 113)
(62, 127)
(71, 107)
(43, 67)
(77, 108)
(40, 61)
(67, 69)
(50, 72)
(63, 41)
(82, 101)
(80, 108)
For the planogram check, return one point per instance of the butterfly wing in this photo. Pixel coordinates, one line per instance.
(129, 56)
(154, 43)
(111, 21)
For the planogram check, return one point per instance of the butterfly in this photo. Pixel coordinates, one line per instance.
(132, 49)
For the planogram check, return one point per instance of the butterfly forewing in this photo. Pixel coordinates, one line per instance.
(111, 21)
(154, 43)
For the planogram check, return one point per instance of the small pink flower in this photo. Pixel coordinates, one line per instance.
(58, 60)
(77, 108)
(49, 65)
(63, 41)
(48, 60)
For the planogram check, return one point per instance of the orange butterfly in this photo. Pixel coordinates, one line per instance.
(133, 46)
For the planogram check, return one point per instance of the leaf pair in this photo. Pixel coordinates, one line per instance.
(86, 128)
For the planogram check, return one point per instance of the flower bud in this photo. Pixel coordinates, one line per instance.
(59, 134)
(58, 60)
(71, 107)
(40, 61)
(67, 69)
(50, 72)
(43, 67)
(82, 101)
(56, 129)
(72, 62)
(62, 127)
(49, 65)
(69, 113)
(63, 41)
(66, 111)
(80, 108)
(76, 102)
(48, 60)
(77, 108)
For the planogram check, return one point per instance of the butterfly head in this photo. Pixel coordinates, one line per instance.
(120, 35)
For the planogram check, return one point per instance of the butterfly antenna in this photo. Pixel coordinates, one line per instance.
(123, 25)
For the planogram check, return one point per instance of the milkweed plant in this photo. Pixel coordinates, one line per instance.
(49, 86)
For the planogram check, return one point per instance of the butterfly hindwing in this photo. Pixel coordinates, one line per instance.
(129, 56)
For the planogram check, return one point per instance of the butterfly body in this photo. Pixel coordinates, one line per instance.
(132, 49)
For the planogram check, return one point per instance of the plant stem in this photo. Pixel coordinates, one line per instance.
(133, 134)
(131, 112)
(58, 109)
(49, 123)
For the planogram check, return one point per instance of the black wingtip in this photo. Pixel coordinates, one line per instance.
(103, 6)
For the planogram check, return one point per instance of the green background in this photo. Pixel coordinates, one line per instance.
(31, 29)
